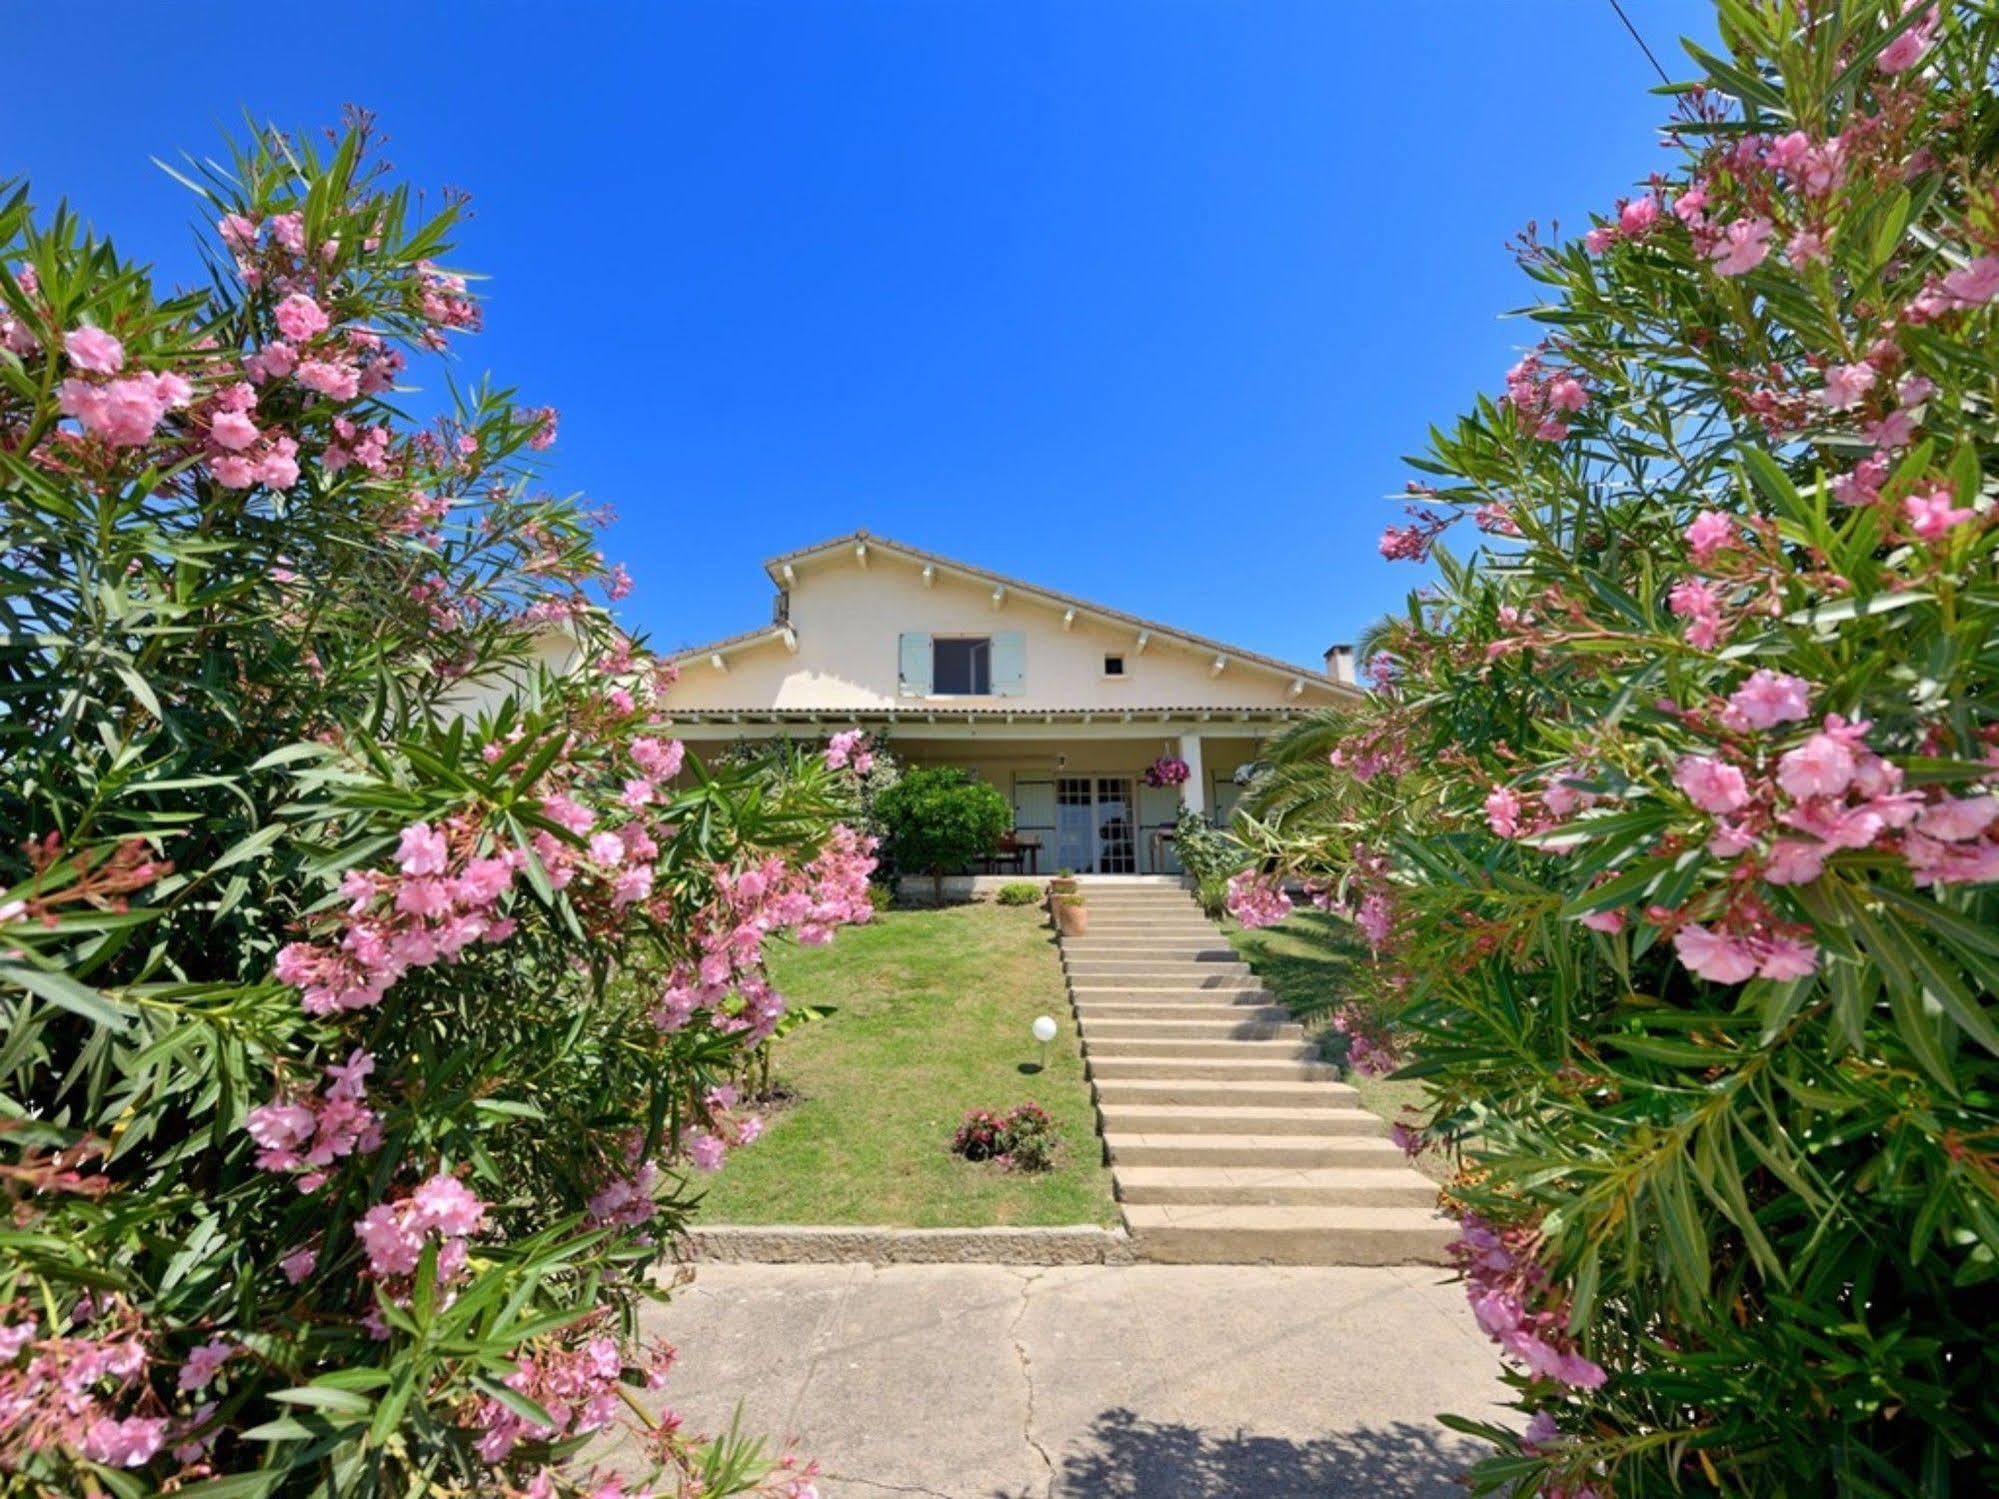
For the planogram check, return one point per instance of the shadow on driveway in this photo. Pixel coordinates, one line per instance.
(1125, 1456)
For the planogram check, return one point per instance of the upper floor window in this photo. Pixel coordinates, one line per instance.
(1114, 665)
(961, 666)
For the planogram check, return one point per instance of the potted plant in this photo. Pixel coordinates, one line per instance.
(1072, 916)
(1062, 882)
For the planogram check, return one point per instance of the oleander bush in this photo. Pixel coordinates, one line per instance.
(369, 991)
(1672, 820)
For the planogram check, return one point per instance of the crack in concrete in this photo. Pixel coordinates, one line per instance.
(1020, 1354)
(888, 1488)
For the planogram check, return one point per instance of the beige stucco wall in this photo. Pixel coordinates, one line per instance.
(848, 619)
(555, 651)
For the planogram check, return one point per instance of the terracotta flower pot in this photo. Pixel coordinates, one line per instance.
(1072, 917)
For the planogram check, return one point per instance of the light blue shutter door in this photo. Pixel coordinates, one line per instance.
(1009, 663)
(913, 671)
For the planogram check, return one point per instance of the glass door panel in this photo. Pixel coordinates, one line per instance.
(1075, 827)
(1117, 831)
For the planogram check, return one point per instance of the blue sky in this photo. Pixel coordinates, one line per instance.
(1142, 301)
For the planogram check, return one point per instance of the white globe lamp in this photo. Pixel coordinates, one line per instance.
(1044, 1032)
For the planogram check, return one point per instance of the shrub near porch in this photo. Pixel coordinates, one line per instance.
(932, 1017)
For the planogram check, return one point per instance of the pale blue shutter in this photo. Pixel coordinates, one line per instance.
(913, 670)
(1009, 663)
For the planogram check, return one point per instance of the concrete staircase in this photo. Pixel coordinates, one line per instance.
(1229, 1142)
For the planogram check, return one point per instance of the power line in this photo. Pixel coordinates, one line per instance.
(1640, 41)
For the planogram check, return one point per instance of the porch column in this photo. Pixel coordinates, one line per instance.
(1193, 795)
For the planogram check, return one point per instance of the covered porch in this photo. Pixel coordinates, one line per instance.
(1075, 780)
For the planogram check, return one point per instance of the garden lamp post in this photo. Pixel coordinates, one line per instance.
(1044, 1032)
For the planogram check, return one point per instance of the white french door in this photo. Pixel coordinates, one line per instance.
(1096, 825)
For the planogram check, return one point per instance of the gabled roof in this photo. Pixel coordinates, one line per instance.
(780, 566)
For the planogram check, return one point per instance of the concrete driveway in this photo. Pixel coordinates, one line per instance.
(1139, 1382)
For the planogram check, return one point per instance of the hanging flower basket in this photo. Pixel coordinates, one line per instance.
(1167, 770)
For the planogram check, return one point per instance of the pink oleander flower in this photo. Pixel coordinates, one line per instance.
(1822, 766)
(660, 762)
(1638, 216)
(1256, 900)
(1956, 819)
(705, 1151)
(1404, 544)
(1767, 699)
(200, 1369)
(1976, 284)
(95, 350)
(232, 430)
(300, 318)
(1794, 862)
(422, 851)
(1787, 958)
(1846, 385)
(1715, 956)
(123, 412)
(1806, 247)
(842, 747)
(1908, 49)
(1932, 516)
(333, 378)
(1742, 246)
(299, 1264)
(129, 1443)
(1502, 811)
(1709, 533)
(1712, 785)
(1608, 922)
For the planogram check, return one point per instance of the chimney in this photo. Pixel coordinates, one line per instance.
(1339, 664)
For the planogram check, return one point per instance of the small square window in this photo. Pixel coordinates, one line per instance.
(1114, 666)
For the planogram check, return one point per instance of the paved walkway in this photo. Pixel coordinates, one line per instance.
(1134, 1382)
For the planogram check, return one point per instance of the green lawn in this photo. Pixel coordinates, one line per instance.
(932, 1017)
(1308, 963)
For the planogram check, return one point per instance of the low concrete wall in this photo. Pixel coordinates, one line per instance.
(920, 889)
(785, 1244)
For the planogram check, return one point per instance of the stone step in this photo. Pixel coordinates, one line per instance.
(1235, 1119)
(1167, 1233)
(1221, 1001)
(1149, 952)
(1275, 1186)
(1116, 924)
(1164, 972)
(1102, 987)
(1258, 1152)
(1180, 1009)
(1193, 1030)
(1222, 1069)
(1244, 1093)
(1274, 1051)
(1189, 953)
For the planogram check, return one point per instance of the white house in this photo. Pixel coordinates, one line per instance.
(1060, 703)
